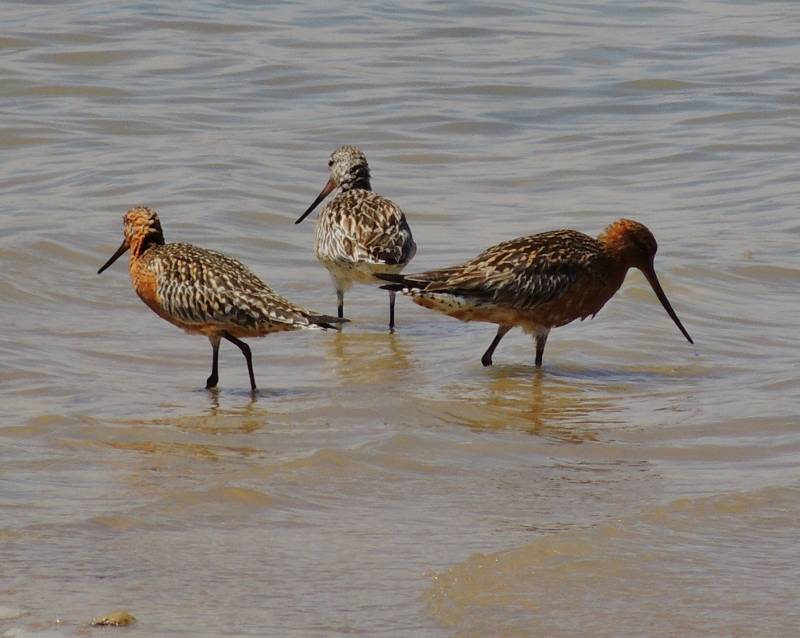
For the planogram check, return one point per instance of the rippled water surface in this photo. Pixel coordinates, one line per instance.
(388, 484)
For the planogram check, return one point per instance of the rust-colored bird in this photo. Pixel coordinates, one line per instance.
(205, 292)
(359, 233)
(539, 282)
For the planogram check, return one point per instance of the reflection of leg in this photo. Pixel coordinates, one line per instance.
(391, 310)
(541, 339)
(212, 380)
(247, 355)
(486, 359)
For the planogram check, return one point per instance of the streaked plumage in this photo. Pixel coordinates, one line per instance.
(359, 233)
(539, 282)
(205, 292)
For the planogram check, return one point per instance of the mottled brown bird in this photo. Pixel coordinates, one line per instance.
(539, 282)
(205, 292)
(359, 233)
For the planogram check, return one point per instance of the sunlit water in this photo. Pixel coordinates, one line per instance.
(388, 484)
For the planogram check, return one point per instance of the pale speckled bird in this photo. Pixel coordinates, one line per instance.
(205, 292)
(539, 282)
(359, 233)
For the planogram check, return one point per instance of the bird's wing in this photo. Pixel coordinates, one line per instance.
(205, 287)
(361, 226)
(523, 273)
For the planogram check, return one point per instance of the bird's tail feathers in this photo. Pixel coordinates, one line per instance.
(397, 282)
(326, 321)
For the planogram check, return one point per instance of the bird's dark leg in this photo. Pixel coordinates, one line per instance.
(392, 295)
(486, 359)
(212, 380)
(247, 355)
(340, 305)
(541, 339)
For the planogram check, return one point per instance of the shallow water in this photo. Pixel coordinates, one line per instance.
(388, 484)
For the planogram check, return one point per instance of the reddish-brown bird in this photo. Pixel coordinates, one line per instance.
(205, 292)
(539, 282)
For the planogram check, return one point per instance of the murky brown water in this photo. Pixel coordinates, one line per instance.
(389, 484)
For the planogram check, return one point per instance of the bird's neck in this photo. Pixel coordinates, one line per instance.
(143, 243)
(359, 178)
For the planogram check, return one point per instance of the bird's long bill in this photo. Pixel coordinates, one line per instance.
(323, 194)
(650, 274)
(120, 251)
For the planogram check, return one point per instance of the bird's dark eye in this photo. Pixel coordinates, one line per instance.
(645, 247)
(330, 163)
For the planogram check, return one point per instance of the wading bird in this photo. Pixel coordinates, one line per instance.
(359, 233)
(205, 292)
(539, 282)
